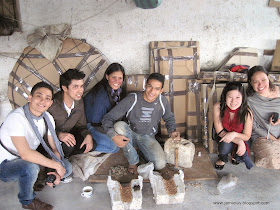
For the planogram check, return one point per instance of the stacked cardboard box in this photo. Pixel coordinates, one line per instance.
(227, 75)
(155, 46)
(178, 62)
(135, 82)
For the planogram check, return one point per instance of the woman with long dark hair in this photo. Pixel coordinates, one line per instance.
(264, 101)
(100, 100)
(233, 123)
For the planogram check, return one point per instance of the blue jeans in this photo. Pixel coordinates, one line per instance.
(104, 143)
(148, 145)
(26, 174)
(224, 149)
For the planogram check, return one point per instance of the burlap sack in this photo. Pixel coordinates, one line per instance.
(267, 153)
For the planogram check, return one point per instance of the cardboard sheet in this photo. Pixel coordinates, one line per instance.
(157, 45)
(32, 67)
(136, 82)
(178, 65)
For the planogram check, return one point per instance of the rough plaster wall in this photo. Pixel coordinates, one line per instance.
(122, 31)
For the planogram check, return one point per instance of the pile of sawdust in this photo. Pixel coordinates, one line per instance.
(195, 185)
(120, 173)
(126, 194)
(167, 174)
(170, 186)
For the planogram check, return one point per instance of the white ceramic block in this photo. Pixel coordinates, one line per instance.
(115, 194)
(160, 195)
(186, 150)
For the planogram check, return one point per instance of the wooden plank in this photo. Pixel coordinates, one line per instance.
(202, 168)
(276, 58)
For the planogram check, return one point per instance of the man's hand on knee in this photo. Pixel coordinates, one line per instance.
(67, 138)
(88, 142)
(120, 141)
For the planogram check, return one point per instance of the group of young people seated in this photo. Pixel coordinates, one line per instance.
(50, 128)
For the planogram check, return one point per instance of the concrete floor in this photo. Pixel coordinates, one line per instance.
(256, 189)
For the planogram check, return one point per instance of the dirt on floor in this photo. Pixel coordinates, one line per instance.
(120, 173)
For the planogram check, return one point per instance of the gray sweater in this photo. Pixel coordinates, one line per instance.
(143, 117)
(262, 108)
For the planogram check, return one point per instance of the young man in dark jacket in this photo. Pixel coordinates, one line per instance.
(143, 111)
(69, 115)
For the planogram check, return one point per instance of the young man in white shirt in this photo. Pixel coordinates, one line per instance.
(21, 133)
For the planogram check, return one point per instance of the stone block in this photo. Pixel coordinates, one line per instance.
(227, 183)
(186, 150)
(115, 194)
(160, 194)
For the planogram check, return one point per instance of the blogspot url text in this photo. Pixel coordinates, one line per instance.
(242, 203)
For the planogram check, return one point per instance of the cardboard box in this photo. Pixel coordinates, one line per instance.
(193, 115)
(208, 115)
(156, 45)
(136, 82)
(178, 65)
(226, 76)
(221, 76)
(178, 102)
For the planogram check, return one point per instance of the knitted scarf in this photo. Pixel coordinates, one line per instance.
(116, 95)
(29, 116)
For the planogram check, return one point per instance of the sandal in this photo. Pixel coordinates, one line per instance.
(219, 167)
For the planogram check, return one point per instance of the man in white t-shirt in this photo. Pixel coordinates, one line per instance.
(21, 133)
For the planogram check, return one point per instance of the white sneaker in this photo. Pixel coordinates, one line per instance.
(67, 179)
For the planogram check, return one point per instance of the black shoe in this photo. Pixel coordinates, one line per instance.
(219, 167)
(234, 162)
